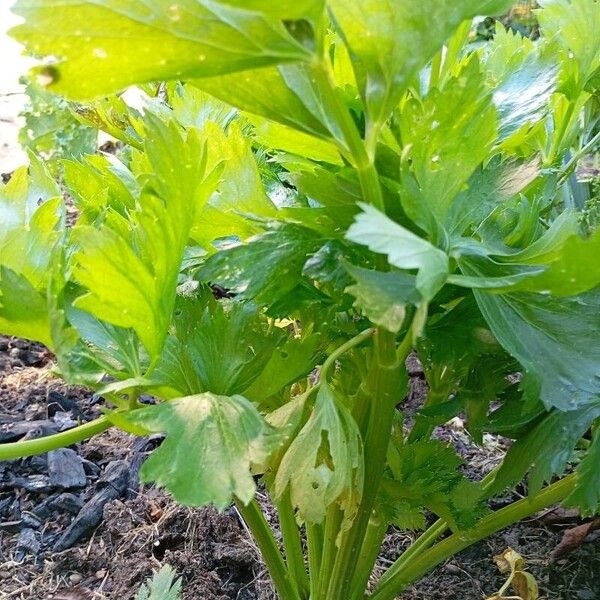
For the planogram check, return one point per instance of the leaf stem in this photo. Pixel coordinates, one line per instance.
(52, 442)
(352, 343)
(292, 542)
(263, 536)
(384, 382)
(392, 586)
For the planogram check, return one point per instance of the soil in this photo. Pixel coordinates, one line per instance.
(140, 528)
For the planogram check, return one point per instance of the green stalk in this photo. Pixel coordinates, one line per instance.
(314, 541)
(368, 556)
(333, 522)
(357, 340)
(292, 543)
(263, 536)
(52, 442)
(572, 164)
(385, 381)
(392, 586)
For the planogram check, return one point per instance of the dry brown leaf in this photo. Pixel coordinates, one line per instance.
(509, 561)
(573, 538)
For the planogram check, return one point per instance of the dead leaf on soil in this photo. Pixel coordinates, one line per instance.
(573, 538)
(511, 563)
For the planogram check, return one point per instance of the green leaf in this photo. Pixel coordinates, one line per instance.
(554, 339)
(425, 474)
(291, 361)
(266, 93)
(23, 309)
(287, 9)
(281, 137)
(216, 348)
(446, 137)
(240, 191)
(225, 435)
(570, 260)
(403, 248)
(324, 463)
(489, 187)
(99, 182)
(545, 449)
(51, 130)
(162, 586)
(574, 25)
(265, 269)
(586, 494)
(31, 218)
(383, 296)
(523, 75)
(391, 41)
(159, 40)
(130, 269)
(194, 108)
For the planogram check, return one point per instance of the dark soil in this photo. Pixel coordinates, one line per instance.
(124, 531)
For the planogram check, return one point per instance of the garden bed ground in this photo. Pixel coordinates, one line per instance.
(93, 532)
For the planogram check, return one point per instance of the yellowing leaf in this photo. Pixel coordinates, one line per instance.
(323, 464)
(212, 442)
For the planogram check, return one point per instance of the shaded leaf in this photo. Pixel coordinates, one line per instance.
(586, 495)
(383, 296)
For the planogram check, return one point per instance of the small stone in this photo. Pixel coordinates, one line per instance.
(101, 574)
(75, 578)
(451, 568)
(4, 574)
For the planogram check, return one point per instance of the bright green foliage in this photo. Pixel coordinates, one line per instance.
(391, 42)
(403, 248)
(160, 39)
(313, 191)
(226, 435)
(31, 215)
(446, 138)
(574, 24)
(162, 586)
(141, 295)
